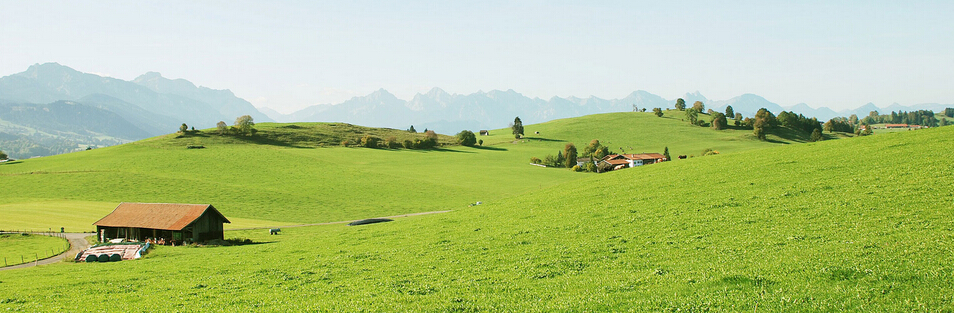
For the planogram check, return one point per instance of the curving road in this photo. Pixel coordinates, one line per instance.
(77, 243)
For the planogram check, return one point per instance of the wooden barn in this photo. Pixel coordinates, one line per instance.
(162, 222)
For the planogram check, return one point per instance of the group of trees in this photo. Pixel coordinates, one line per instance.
(949, 112)
(368, 141)
(839, 124)
(919, 117)
(3, 156)
(569, 157)
(564, 158)
(243, 125)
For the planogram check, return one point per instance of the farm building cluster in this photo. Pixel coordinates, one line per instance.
(620, 161)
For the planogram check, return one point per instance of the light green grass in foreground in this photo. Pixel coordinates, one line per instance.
(861, 224)
(16, 248)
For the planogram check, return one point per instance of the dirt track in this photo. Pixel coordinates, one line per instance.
(77, 243)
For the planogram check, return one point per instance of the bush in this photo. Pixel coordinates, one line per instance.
(590, 167)
(392, 143)
(369, 141)
(466, 138)
(408, 144)
(577, 168)
(536, 160)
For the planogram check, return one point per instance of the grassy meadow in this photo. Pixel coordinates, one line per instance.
(862, 224)
(17, 248)
(293, 173)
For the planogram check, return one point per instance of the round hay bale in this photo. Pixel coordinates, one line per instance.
(103, 258)
(115, 258)
(92, 258)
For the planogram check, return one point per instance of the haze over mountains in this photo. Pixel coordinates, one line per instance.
(53, 105)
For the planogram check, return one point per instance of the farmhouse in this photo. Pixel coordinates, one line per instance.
(485, 133)
(168, 222)
(619, 161)
(583, 161)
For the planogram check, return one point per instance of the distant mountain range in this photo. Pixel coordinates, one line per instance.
(449, 113)
(51, 108)
(54, 103)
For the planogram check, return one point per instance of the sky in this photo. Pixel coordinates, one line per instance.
(287, 55)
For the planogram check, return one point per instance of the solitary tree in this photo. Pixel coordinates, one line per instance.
(480, 142)
(817, 135)
(412, 129)
(729, 111)
(763, 120)
(569, 152)
(666, 154)
(692, 115)
(244, 125)
(718, 121)
(699, 106)
(183, 128)
(221, 128)
(680, 104)
(517, 127)
(658, 112)
(466, 138)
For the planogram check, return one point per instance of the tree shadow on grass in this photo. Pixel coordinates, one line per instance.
(267, 141)
(542, 139)
(489, 148)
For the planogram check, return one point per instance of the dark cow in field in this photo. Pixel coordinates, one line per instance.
(274, 231)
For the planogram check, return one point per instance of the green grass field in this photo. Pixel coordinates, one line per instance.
(861, 224)
(17, 249)
(290, 174)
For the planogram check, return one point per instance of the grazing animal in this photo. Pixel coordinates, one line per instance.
(274, 231)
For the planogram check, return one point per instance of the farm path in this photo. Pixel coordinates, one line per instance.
(341, 222)
(77, 243)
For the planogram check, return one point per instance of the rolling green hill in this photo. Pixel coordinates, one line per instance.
(844, 225)
(296, 173)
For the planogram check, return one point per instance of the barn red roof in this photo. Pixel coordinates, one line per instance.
(644, 156)
(167, 216)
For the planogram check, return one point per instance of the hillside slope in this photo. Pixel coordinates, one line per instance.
(295, 173)
(847, 225)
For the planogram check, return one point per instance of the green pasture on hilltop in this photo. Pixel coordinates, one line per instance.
(293, 173)
(862, 224)
(16, 248)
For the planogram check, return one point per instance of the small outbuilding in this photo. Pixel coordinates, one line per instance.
(162, 222)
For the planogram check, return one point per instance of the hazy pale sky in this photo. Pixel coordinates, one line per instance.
(288, 55)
